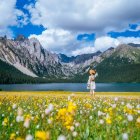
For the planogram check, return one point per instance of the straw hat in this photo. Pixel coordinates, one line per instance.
(92, 71)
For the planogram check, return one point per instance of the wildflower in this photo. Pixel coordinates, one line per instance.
(90, 117)
(100, 113)
(5, 122)
(130, 118)
(138, 122)
(29, 137)
(19, 138)
(19, 118)
(77, 124)
(50, 120)
(47, 111)
(108, 120)
(50, 107)
(87, 105)
(41, 135)
(125, 136)
(26, 123)
(74, 134)
(14, 106)
(72, 128)
(69, 98)
(20, 111)
(101, 121)
(37, 126)
(129, 106)
(61, 137)
(12, 136)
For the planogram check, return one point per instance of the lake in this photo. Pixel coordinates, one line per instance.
(102, 87)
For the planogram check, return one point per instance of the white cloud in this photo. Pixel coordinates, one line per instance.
(10, 16)
(62, 41)
(84, 50)
(57, 40)
(105, 42)
(88, 16)
(126, 40)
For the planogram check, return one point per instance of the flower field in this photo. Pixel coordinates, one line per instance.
(69, 116)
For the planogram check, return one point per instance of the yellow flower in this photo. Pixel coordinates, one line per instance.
(5, 121)
(108, 120)
(87, 105)
(138, 122)
(12, 136)
(19, 138)
(119, 117)
(41, 135)
(9, 108)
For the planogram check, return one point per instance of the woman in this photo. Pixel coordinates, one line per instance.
(91, 82)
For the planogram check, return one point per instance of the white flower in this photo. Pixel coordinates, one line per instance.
(49, 121)
(47, 111)
(37, 126)
(138, 106)
(122, 103)
(17, 132)
(77, 124)
(114, 106)
(129, 106)
(69, 98)
(130, 118)
(14, 106)
(20, 111)
(72, 128)
(100, 113)
(61, 137)
(125, 136)
(90, 117)
(19, 118)
(50, 107)
(11, 124)
(42, 115)
(101, 121)
(29, 137)
(74, 134)
(116, 99)
(26, 123)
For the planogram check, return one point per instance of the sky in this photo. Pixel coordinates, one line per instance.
(72, 27)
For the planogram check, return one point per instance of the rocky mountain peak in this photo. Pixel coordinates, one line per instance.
(20, 37)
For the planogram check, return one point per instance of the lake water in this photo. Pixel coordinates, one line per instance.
(116, 87)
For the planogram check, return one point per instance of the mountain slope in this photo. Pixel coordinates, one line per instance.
(120, 65)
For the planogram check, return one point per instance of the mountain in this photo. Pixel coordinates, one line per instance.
(121, 65)
(28, 56)
(33, 63)
(134, 45)
(79, 58)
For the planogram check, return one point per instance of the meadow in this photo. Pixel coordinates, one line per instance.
(60, 115)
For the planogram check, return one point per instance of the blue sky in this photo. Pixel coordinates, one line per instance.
(63, 26)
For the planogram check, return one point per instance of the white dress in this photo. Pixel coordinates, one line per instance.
(91, 84)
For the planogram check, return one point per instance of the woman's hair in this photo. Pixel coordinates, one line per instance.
(91, 71)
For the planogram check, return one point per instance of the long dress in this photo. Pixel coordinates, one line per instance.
(91, 83)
